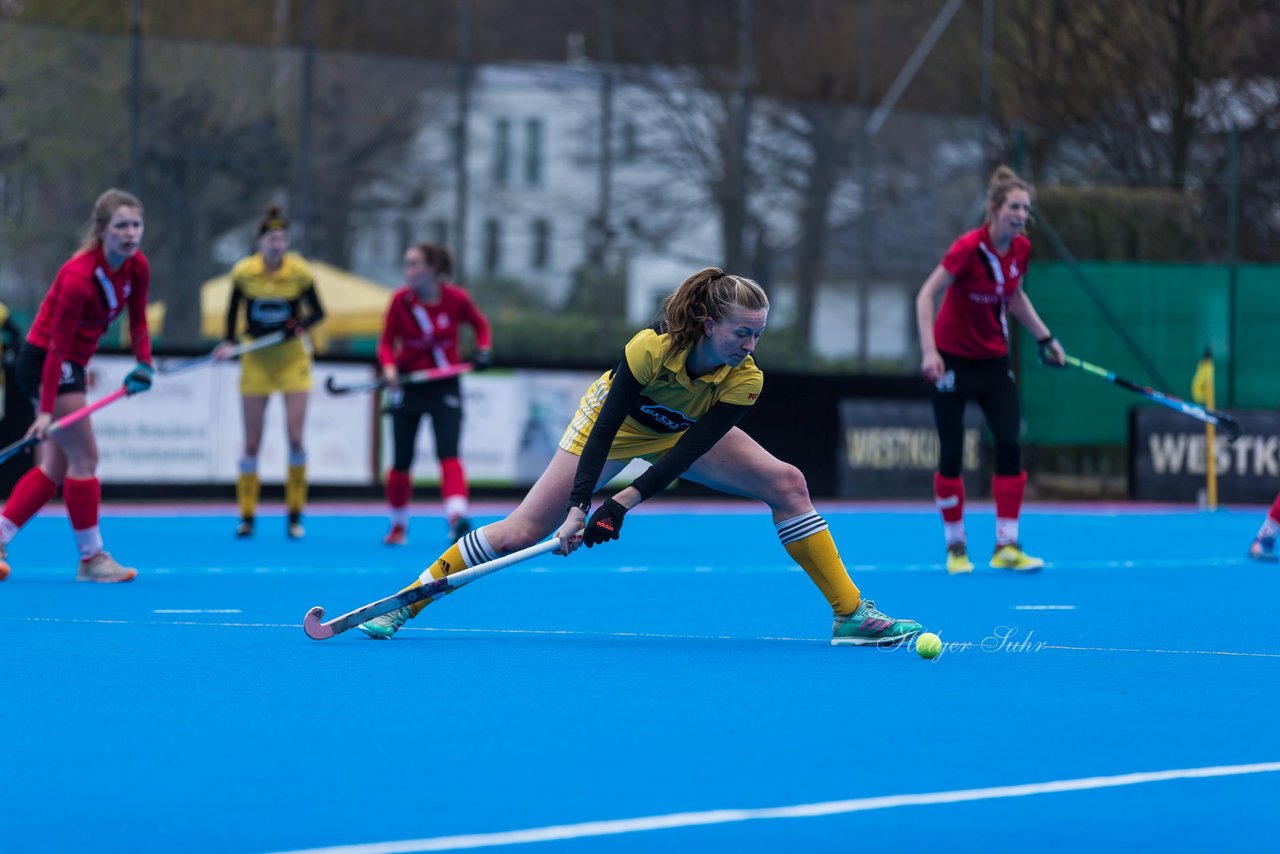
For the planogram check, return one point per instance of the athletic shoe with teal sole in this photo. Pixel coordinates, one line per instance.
(382, 628)
(869, 627)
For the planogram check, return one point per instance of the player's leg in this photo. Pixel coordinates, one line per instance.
(738, 465)
(248, 487)
(948, 481)
(295, 485)
(999, 403)
(82, 493)
(446, 422)
(35, 488)
(1264, 544)
(539, 514)
(32, 491)
(399, 488)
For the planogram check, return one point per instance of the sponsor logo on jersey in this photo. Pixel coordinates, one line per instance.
(655, 416)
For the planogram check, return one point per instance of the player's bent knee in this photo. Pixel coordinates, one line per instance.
(790, 486)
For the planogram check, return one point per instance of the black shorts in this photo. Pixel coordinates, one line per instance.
(990, 384)
(30, 367)
(442, 402)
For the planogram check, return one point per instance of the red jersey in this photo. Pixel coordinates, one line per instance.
(418, 335)
(972, 321)
(74, 315)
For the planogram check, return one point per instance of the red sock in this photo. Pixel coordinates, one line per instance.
(1007, 489)
(32, 491)
(82, 496)
(453, 480)
(1275, 511)
(399, 488)
(948, 493)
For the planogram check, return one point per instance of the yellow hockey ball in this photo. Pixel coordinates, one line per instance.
(928, 645)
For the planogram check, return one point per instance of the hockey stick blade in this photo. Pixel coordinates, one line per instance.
(316, 629)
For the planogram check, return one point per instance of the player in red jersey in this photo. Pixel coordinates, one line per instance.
(965, 354)
(421, 332)
(106, 276)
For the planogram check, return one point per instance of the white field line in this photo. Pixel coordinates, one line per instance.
(762, 568)
(956, 646)
(728, 816)
(197, 611)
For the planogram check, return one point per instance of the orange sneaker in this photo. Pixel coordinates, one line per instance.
(4, 563)
(103, 569)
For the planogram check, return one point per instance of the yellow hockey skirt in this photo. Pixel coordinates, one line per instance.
(285, 368)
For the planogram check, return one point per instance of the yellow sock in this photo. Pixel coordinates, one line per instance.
(295, 488)
(449, 562)
(248, 488)
(809, 543)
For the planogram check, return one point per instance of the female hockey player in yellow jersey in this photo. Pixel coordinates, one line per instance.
(674, 399)
(278, 293)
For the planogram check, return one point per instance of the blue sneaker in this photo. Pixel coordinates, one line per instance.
(1263, 549)
(382, 628)
(867, 626)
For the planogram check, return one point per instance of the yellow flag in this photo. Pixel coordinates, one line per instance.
(1202, 382)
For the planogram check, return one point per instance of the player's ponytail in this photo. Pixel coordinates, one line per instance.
(273, 220)
(1003, 181)
(709, 294)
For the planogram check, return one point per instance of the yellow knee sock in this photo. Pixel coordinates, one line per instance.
(295, 489)
(449, 562)
(248, 488)
(809, 543)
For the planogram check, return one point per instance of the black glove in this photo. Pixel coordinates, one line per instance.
(139, 379)
(482, 360)
(605, 524)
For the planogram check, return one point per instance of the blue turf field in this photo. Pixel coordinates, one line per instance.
(672, 691)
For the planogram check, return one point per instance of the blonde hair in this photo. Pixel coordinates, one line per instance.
(709, 294)
(1003, 181)
(103, 209)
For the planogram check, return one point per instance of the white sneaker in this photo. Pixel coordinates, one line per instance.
(103, 569)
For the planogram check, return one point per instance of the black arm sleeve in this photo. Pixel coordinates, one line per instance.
(315, 311)
(696, 441)
(623, 392)
(233, 310)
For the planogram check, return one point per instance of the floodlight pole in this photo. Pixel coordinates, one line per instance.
(460, 141)
(908, 72)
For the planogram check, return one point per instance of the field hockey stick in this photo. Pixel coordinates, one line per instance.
(424, 376)
(168, 368)
(317, 630)
(1208, 416)
(62, 423)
